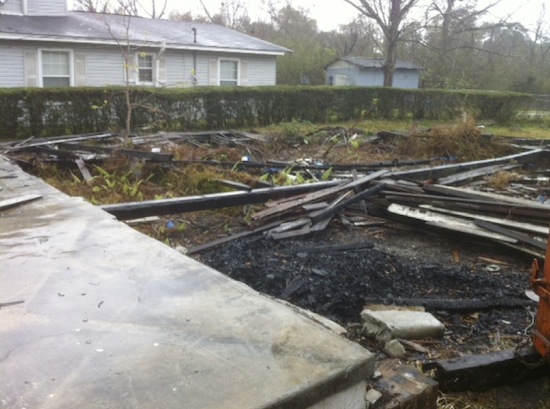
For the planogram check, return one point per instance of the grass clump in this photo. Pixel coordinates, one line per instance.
(461, 141)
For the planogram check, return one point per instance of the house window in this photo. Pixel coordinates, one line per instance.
(229, 72)
(145, 68)
(56, 68)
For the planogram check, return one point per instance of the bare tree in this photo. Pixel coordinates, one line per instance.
(390, 17)
(125, 7)
(92, 6)
(232, 13)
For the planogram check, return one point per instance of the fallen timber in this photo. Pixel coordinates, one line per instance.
(436, 172)
(480, 372)
(136, 210)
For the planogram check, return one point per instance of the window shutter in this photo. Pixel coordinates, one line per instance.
(31, 69)
(161, 70)
(213, 72)
(80, 70)
(244, 73)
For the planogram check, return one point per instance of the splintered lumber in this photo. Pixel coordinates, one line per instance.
(446, 222)
(483, 371)
(357, 198)
(317, 196)
(403, 386)
(136, 210)
(16, 201)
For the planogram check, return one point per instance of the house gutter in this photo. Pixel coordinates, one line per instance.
(72, 40)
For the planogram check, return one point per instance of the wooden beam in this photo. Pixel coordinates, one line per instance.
(447, 222)
(64, 139)
(437, 172)
(528, 227)
(136, 210)
(483, 371)
(475, 173)
(521, 237)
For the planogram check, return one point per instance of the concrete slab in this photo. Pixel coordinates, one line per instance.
(114, 319)
(385, 325)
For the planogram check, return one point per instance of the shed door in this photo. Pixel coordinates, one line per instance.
(341, 80)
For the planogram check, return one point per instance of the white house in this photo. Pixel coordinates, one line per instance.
(43, 44)
(369, 72)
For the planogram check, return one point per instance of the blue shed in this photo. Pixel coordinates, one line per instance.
(369, 72)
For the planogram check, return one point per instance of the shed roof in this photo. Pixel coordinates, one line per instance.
(376, 63)
(97, 28)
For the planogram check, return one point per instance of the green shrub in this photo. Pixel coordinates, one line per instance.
(59, 111)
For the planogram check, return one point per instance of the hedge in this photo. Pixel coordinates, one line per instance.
(68, 111)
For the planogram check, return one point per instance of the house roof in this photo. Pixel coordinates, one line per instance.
(96, 28)
(376, 63)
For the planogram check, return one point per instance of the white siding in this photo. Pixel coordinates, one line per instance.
(12, 7)
(12, 66)
(46, 7)
(100, 67)
(103, 67)
(261, 70)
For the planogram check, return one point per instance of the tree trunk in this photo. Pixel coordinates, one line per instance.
(392, 36)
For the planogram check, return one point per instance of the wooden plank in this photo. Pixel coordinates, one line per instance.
(446, 222)
(467, 193)
(283, 227)
(510, 209)
(321, 225)
(234, 185)
(479, 372)
(223, 240)
(475, 173)
(360, 245)
(315, 206)
(84, 170)
(290, 234)
(136, 210)
(437, 172)
(17, 201)
(523, 238)
(362, 203)
(528, 227)
(65, 139)
(319, 195)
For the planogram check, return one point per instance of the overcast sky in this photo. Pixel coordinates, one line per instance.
(332, 13)
(329, 14)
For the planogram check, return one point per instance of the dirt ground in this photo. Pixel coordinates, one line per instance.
(397, 263)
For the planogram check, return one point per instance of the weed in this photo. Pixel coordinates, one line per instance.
(462, 141)
(502, 179)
